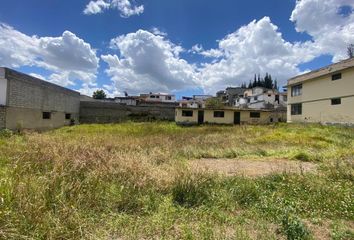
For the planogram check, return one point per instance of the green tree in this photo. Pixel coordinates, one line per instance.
(99, 94)
(250, 84)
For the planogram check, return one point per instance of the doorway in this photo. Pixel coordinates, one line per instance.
(237, 118)
(200, 117)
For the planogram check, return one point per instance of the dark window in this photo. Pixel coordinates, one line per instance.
(186, 113)
(296, 109)
(248, 100)
(255, 98)
(336, 76)
(219, 114)
(296, 90)
(46, 115)
(271, 119)
(67, 116)
(168, 97)
(336, 101)
(157, 96)
(255, 114)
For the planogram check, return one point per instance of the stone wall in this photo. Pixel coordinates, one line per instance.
(2, 117)
(105, 112)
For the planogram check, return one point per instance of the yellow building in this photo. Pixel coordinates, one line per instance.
(227, 115)
(325, 95)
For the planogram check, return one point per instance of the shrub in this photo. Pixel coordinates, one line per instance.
(302, 156)
(294, 228)
(192, 190)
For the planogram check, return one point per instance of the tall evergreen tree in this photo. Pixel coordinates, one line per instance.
(254, 83)
(250, 84)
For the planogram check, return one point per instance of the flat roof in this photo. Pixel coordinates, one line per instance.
(228, 109)
(330, 69)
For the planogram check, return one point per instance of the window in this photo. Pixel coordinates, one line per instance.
(296, 90)
(168, 98)
(219, 114)
(46, 115)
(336, 101)
(186, 113)
(157, 96)
(255, 114)
(255, 98)
(296, 109)
(67, 116)
(152, 96)
(336, 76)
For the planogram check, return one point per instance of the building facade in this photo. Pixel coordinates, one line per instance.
(230, 116)
(325, 95)
(259, 98)
(157, 97)
(30, 103)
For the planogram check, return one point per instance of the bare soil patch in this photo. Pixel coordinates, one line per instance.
(252, 168)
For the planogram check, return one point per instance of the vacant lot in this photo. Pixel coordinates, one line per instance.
(158, 180)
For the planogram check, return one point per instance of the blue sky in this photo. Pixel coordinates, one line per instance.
(183, 46)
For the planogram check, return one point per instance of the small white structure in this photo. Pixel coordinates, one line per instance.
(158, 97)
(191, 103)
(130, 101)
(197, 101)
(261, 98)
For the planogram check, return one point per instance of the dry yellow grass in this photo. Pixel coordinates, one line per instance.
(131, 181)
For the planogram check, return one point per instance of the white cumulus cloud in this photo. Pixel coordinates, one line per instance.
(125, 7)
(148, 62)
(67, 57)
(331, 30)
(255, 48)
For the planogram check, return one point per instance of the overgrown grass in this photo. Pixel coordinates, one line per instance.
(131, 181)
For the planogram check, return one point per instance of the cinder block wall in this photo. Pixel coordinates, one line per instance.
(104, 112)
(2, 117)
(29, 97)
(29, 92)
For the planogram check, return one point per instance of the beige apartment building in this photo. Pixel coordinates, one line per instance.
(325, 95)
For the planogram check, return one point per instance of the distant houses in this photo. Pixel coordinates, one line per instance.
(325, 95)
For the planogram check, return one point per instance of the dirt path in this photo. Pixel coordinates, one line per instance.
(252, 168)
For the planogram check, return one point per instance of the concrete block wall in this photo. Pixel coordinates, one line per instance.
(105, 112)
(28, 92)
(2, 117)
